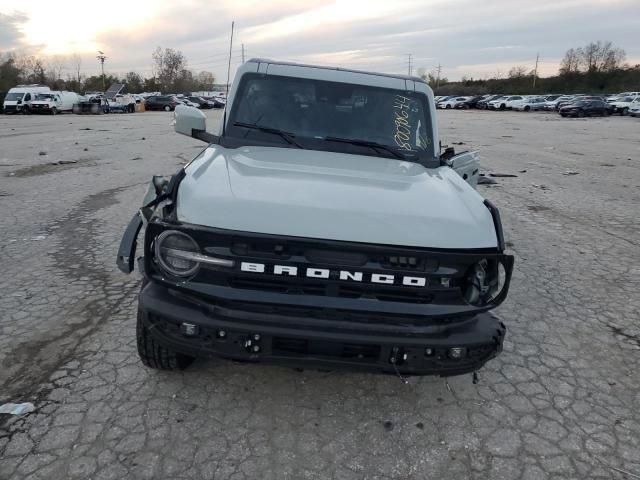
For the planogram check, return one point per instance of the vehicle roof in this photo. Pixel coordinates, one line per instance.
(337, 69)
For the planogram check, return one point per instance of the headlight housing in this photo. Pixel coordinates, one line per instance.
(485, 281)
(175, 253)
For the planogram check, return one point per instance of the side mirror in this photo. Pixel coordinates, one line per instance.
(192, 122)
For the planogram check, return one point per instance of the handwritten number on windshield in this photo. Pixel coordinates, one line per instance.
(403, 129)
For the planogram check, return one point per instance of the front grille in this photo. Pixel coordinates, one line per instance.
(441, 275)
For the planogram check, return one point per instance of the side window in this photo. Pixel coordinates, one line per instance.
(27, 97)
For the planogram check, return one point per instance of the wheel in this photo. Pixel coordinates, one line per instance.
(624, 111)
(167, 108)
(448, 106)
(155, 355)
(563, 115)
(527, 108)
(580, 113)
(503, 106)
(54, 111)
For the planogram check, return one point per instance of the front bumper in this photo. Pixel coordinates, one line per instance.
(255, 333)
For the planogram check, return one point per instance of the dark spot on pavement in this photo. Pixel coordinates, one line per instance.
(420, 425)
(537, 208)
(388, 425)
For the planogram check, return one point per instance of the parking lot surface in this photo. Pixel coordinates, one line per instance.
(561, 402)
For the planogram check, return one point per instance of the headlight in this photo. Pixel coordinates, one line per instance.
(485, 282)
(173, 251)
(179, 255)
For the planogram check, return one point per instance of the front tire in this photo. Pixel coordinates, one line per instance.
(527, 108)
(167, 108)
(448, 106)
(155, 355)
(54, 111)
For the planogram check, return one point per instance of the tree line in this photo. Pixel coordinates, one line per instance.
(598, 67)
(170, 73)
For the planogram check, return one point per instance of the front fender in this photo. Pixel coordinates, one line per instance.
(127, 250)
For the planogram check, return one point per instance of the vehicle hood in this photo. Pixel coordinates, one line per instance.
(334, 196)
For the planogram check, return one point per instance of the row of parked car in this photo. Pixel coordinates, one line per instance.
(36, 98)
(169, 102)
(626, 103)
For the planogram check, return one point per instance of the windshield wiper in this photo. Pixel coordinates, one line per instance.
(288, 137)
(366, 143)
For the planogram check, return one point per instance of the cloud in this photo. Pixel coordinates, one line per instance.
(11, 35)
(466, 37)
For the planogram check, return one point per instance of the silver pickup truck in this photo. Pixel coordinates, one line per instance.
(321, 226)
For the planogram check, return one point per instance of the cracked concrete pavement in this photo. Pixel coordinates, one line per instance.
(561, 402)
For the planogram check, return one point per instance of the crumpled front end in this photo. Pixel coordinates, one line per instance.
(316, 302)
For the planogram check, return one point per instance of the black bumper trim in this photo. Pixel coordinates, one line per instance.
(163, 313)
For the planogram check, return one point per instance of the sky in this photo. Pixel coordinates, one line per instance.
(472, 38)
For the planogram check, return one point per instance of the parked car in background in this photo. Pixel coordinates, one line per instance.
(186, 101)
(533, 103)
(54, 102)
(499, 103)
(484, 103)
(622, 104)
(634, 108)
(570, 99)
(18, 99)
(470, 102)
(218, 102)
(160, 102)
(552, 104)
(514, 100)
(204, 104)
(451, 102)
(585, 108)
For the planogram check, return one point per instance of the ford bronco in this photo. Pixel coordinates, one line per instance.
(321, 226)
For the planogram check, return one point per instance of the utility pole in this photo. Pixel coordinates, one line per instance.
(101, 58)
(535, 71)
(230, 47)
(243, 53)
(410, 69)
(439, 69)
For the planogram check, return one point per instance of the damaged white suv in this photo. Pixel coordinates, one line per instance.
(320, 227)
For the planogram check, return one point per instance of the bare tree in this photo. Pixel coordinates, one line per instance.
(76, 63)
(601, 57)
(571, 61)
(169, 65)
(133, 81)
(57, 64)
(206, 80)
(517, 72)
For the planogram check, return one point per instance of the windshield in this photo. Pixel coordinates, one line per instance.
(14, 96)
(316, 112)
(44, 96)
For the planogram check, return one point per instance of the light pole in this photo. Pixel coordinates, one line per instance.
(101, 58)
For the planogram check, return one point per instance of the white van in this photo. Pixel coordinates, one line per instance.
(54, 102)
(19, 98)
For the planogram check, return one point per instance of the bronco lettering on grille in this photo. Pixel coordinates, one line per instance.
(345, 275)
